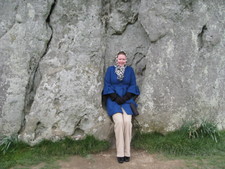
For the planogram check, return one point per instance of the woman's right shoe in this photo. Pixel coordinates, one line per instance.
(126, 159)
(120, 159)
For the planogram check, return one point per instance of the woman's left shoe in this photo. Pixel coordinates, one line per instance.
(126, 159)
(120, 159)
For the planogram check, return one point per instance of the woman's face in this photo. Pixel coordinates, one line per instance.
(121, 60)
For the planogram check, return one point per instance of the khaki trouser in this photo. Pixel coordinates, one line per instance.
(123, 130)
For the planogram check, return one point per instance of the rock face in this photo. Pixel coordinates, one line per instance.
(24, 37)
(54, 54)
(184, 78)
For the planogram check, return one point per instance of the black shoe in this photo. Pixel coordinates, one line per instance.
(126, 159)
(120, 159)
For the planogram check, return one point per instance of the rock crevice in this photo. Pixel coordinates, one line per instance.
(34, 72)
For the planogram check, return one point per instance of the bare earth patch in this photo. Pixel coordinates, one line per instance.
(107, 160)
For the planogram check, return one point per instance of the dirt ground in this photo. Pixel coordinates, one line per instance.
(107, 160)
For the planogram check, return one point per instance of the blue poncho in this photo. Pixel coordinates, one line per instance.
(120, 87)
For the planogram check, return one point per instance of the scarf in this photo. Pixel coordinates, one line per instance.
(120, 72)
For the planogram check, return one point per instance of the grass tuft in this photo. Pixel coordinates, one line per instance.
(204, 129)
(6, 142)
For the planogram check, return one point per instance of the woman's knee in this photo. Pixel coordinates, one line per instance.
(118, 118)
(127, 122)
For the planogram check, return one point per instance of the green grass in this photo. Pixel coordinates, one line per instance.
(199, 152)
(47, 151)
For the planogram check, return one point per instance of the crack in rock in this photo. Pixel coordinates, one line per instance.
(38, 130)
(200, 38)
(35, 76)
(78, 132)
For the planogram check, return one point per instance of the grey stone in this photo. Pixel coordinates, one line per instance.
(53, 56)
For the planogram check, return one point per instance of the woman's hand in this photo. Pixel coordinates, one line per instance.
(115, 97)
(119, 100)
(128, 96)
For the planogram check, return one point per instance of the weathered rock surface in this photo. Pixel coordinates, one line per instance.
(184, 78)
(54, 53)
(24, 38)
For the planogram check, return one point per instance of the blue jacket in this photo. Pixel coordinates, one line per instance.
(113, 85)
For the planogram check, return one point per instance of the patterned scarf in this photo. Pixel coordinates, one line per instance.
(120, 72)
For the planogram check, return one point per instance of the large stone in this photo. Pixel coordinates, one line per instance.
(53, 56)
(71, 71)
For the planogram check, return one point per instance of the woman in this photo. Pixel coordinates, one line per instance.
(120, 87)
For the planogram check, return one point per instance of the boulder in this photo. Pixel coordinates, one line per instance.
(54, 55)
